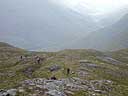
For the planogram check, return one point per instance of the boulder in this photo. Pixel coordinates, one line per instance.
(12, 92)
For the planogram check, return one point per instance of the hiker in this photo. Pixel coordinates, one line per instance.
(68, 71)
(38, 60)
(21, 57)
(53, 78)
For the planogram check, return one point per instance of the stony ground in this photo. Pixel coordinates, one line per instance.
(93, 73)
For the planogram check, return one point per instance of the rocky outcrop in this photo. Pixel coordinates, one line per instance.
(64, 87)
(10, 92)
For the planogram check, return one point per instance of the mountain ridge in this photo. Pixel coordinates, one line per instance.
(113, 37)
(44, 26)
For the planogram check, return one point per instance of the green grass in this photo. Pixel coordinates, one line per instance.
(12, 70)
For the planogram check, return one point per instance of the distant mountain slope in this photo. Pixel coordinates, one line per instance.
(109, 38)
(8, 49)
(2, 44)
(121, 55)
(113, 17)
(41, 24)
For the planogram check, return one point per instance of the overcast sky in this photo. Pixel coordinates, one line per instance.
(95, 6)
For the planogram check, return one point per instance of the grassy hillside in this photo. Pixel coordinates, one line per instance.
(98, 66)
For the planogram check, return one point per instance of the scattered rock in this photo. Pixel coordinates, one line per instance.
(82, 73)
(21, 89)
(67, 86)
(109, 60)
(55, 93)
(90, 65)
(84, 61)
(69, 92)
(63, 87)
(28, 71)
(54, 68)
